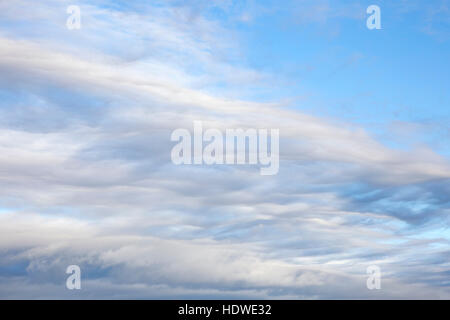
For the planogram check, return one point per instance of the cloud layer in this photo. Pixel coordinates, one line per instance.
(86, 175)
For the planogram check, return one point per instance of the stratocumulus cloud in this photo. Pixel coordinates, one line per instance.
(86, 175)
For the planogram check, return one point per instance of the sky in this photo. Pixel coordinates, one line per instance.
(86, 176)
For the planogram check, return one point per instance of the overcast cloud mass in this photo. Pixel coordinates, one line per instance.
(86, 176)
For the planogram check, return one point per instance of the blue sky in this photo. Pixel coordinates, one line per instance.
(86, 176)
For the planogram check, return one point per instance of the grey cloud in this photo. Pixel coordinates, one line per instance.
(86, 178)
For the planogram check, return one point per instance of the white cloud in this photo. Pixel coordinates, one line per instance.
(85, 170)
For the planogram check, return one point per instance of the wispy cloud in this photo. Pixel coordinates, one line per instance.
(86, 176)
